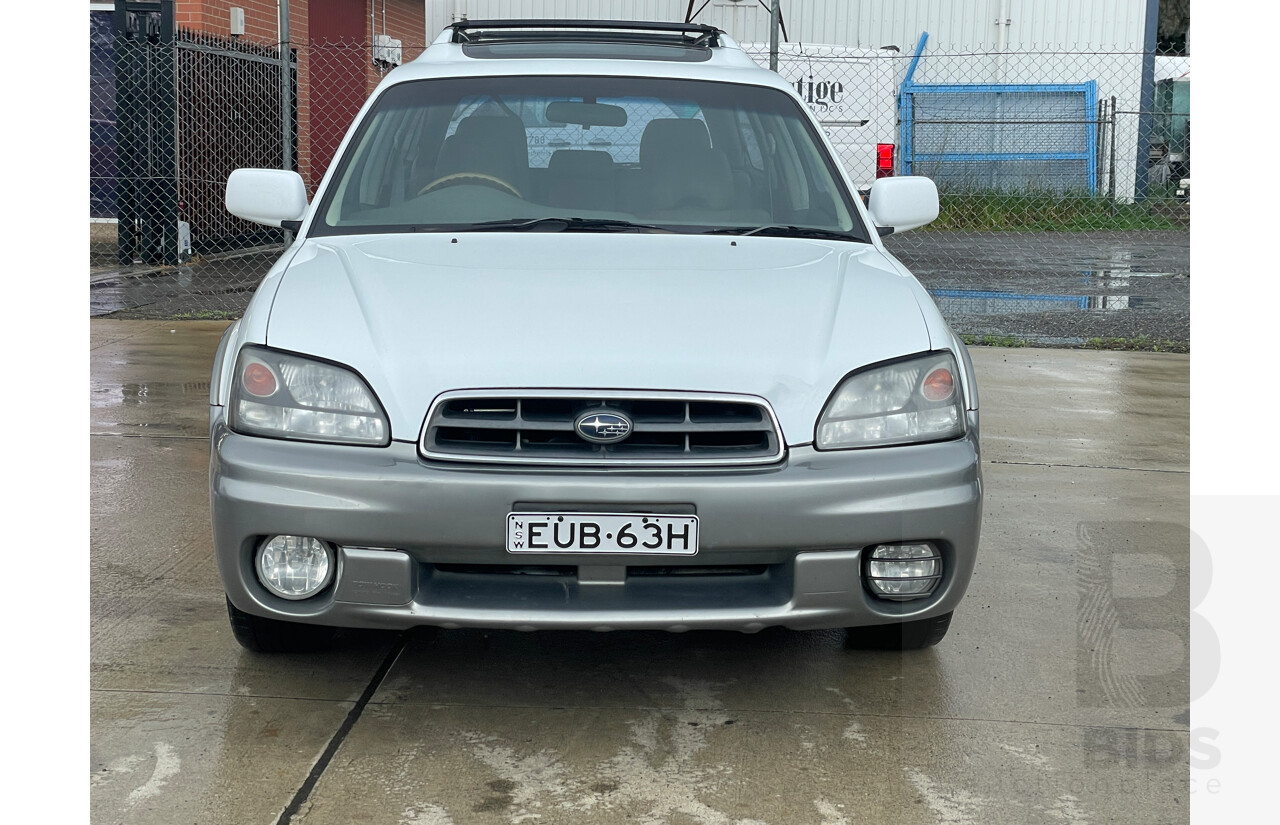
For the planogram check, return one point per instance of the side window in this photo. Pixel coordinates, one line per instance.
(360, 189)
(750, 142)
(819, 201)
(383, 162)
(533, 111)
(545, 136)
(788, 181)
(470, 105)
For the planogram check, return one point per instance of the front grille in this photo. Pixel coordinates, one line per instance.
(700, 570)
(539, 428)
(633, 571)
(565, 571)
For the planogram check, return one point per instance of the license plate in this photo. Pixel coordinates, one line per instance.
(638, 533)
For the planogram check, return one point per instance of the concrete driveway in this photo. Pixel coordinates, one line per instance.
(1060, 694)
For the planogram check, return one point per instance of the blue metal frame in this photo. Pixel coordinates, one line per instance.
(909, 90)
(1080, 301)
(915, 61)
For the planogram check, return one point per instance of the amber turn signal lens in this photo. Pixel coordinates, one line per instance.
(259, 380)
(938, 385)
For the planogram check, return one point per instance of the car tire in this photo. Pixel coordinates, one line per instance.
(263, 635)
(903, 636)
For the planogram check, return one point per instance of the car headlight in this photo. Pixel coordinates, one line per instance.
(287, 396)
(916, 399)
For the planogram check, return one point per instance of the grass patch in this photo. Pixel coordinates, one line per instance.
(1140, 344)
(207, 315)
(993, 341)
(1007, 212)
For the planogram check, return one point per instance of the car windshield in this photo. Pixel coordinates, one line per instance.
(588, 154)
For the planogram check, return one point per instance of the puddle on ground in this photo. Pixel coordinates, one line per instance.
(955, 302)
(137, 395)
(1119, 277)
(1113, 274)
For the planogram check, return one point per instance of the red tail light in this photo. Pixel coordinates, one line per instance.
(259, 380)
(884, 160)
(938, 385)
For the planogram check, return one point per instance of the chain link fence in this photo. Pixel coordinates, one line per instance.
(1064, 176)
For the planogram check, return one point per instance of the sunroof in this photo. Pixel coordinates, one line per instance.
(612, 49)
(625, 39)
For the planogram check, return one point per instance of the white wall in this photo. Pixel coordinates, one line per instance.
(1076, 25)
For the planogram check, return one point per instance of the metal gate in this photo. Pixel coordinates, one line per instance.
(189, 108)
(228, 118)
(999, 137)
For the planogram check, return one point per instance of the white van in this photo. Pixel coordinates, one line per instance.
(853, 93)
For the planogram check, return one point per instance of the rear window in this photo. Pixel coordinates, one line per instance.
(683, 155)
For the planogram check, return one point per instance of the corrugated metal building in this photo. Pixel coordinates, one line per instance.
(1097, 48)
(964, 25)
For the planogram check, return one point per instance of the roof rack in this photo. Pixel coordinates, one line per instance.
(697, 35)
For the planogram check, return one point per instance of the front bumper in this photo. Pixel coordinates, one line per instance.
(424, 543)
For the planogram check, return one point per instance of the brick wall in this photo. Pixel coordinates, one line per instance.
(404, 20)
(261, 18)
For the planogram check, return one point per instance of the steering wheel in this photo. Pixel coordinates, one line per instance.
(470, 177)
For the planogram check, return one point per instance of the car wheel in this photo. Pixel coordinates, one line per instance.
(904, 636)
(274, 636)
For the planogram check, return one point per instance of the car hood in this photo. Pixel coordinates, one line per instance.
(417, 315)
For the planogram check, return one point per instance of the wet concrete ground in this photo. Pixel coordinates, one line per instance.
(1060, 694)
(1059, 288)
(220, 288)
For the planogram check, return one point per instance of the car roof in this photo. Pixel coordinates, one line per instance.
(560, 47)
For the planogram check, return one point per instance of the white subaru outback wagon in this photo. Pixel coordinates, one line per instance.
(665, 376)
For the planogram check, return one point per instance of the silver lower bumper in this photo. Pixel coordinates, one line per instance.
(424, 543)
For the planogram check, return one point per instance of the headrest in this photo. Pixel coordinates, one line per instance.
(487, 144)
(581, 163)
(489, 128)
(664, 137)
(698, 179)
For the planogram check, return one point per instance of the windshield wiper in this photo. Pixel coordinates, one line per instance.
(547, 225)
(789, 231)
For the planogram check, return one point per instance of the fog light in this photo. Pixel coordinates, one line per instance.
(295, 567)
(904, 571)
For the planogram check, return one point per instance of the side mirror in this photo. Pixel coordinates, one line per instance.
(899, 204)
(266, 196)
